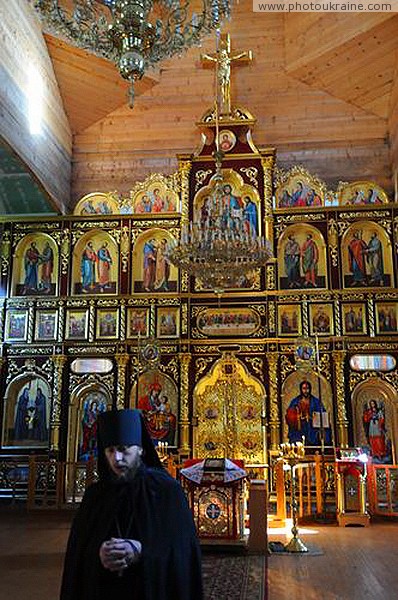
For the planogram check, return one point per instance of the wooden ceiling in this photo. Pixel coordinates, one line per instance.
(355, 58)
(322, 86)
(91, 87)
(351, 57)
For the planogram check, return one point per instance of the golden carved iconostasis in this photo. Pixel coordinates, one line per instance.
(98, 284)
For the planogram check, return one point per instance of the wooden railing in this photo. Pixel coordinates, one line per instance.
(382, 488)
(315, 488)
(45, 483)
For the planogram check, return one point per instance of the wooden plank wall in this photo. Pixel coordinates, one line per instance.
(331, 137)
(393, 129)
(48, 154)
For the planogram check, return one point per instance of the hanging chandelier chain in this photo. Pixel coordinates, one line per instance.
(134, 34)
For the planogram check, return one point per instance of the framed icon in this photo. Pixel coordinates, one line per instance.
(289, 319)
(386, 317)
(226, 140)
(168, 322)
(76, 324)
(46, 325)
(354, 318)
(16, 325)
(137, 322)
(321, 319)
(107, 323)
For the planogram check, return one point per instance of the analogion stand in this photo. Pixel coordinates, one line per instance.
(216, 495)
(351, 491)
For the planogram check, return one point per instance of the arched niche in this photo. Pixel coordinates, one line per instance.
(366, 256)
(97, 203)
(229, 406)
(300, 189)
(95, 264)
(152, 271)
(26, 417)
(375, 419)
(321, 390)
(302, 258)
(157, 397)
(35, 266)
(241, 202)
(87, 400)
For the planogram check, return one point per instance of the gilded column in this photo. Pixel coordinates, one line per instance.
(267, 163)
(59, 361)
(184, 168)
(274, 421)
(185, 360)
(342, 421)
(5, 253)
(121, 361)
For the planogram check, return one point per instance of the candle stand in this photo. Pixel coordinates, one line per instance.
(292, 455)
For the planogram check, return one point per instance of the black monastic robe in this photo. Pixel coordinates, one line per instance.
(152, 508)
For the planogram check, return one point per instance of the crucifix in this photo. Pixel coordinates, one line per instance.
(223, 60)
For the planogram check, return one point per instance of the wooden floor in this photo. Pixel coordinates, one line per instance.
(355, 563)
(351, 563)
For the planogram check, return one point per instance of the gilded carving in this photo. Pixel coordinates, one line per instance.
(125, 248)
(286, 367)
(31, 314)
(59, 361)
(184, 168)
(285, 220)
(305, 316)
(251, 173)
(122, 361)
(45, 226)
(171, 367)
(368, 214)
(357, 377)
(371, 317)
(267, 162)
(200, 177)
(342, 421)
(91, 328)
(87, 225)
(65, 250)
(272, 317)
(37, 350)
(92, 350)
(184, 318)
(386, 225)
(333, 241)
(92, 379)
(184, 281)
(257, 364)
(122, 327)
(337, 320)
(270, 276)
(61, 321)
(274, 421)
(5, 252)
(201, 365)
(185, 360)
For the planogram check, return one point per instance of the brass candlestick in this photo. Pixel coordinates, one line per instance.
(292, 453)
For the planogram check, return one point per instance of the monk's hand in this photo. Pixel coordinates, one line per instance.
(134, 549)
(118, 554)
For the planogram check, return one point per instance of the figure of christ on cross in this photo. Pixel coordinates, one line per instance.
(223, 60)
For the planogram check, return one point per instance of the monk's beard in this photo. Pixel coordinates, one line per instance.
(129, 474)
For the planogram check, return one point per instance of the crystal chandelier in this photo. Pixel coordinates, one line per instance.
(221, 251)
(134, 34)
